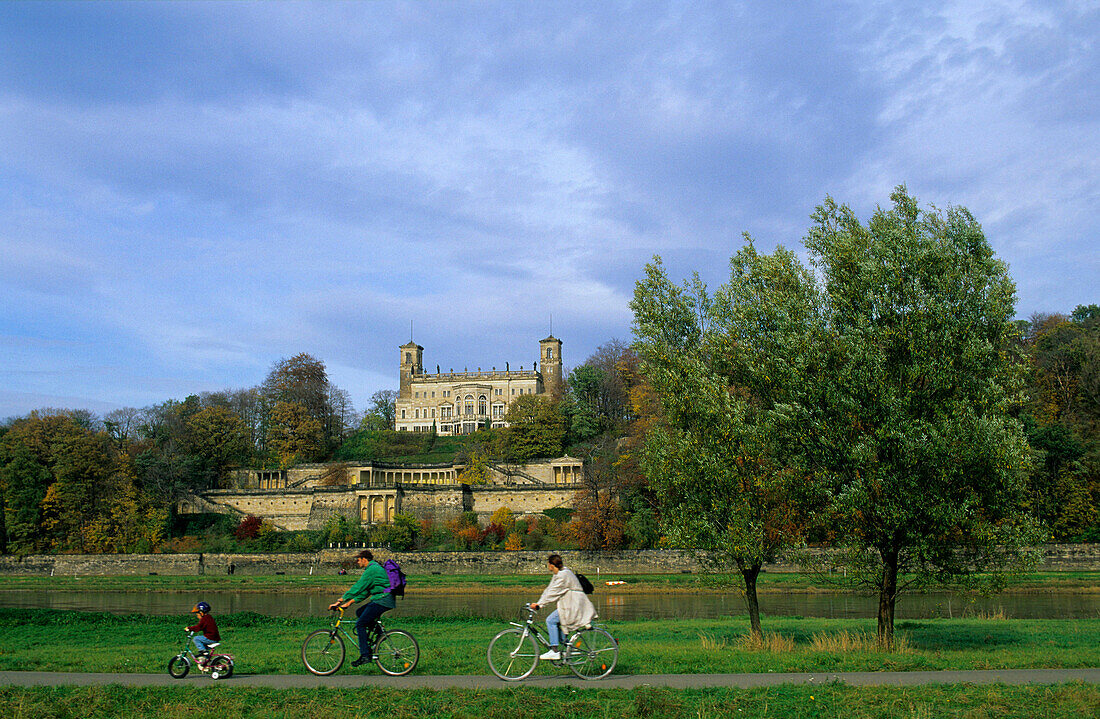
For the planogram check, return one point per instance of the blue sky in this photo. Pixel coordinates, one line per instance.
(190, 192)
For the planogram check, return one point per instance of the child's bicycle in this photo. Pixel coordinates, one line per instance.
(590, 652)
(220, 666)
(395, 652)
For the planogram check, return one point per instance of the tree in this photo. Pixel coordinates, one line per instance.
(293, 435)
(476, 470)
(927, 465)
(220, 438)
(536, 429)
(382, 410)
(733, 373)
(302, 380)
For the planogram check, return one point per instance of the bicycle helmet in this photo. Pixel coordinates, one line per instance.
(202, 607)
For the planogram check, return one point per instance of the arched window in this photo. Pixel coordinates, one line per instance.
(549, 353)
(483, 405)
(469, 404)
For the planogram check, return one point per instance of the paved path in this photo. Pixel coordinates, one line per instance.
(676, 681)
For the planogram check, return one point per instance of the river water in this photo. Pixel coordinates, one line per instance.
(631, 605)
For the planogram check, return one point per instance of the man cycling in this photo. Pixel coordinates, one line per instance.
(372, 584)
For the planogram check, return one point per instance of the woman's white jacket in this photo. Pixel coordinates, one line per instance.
(574, 608)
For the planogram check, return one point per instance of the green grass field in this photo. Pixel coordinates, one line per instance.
(50, 640)
(1071, 701)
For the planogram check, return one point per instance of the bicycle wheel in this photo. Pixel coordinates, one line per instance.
(513, 656)
(591, 653)
(221, 667)
(178, 666)
(396, 653)
(323, 652)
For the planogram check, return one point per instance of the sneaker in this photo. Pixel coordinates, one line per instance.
(361, 661)
(553, 655)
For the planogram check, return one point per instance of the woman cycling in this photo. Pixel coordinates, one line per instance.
(574, 608)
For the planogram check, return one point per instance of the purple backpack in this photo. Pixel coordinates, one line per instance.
(397, 578)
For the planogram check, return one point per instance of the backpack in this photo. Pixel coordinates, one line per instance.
(397, 578)
(586, 585)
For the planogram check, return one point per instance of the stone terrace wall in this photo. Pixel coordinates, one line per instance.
(1056, 557)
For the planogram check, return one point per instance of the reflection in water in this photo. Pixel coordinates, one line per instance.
(508, 604)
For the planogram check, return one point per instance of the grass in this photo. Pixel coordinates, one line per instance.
(1069, 701)
(457, 583)
(50, 640)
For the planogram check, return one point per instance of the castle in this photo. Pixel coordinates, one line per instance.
(304, 497)
(463, 402)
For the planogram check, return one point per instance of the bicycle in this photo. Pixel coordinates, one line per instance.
(590, 652)
(220, 666)
(395, 652)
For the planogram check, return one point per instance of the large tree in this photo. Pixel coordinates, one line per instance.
(927, 462)
(734, 375)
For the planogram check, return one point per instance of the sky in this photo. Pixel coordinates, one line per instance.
(190, 192)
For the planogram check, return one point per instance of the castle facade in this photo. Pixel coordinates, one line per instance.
(463, 402)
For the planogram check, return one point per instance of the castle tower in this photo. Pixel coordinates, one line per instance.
(550, 356)
(412, 363)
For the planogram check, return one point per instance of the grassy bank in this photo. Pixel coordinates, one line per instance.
(50, 640)
(794, 702)
(776, 582)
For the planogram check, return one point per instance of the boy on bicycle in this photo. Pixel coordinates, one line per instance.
(373, 585)
(209, 629)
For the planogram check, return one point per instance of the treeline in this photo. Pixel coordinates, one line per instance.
(1061, 417)
(71, 481)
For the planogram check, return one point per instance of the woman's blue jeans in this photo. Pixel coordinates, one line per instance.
(553, 628)
(368, 616)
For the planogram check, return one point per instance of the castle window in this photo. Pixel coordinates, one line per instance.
(402, 414)
(416, 414)
(549, 353)
(433, 412)
(482, 405)
(469, 404)
(416, 395)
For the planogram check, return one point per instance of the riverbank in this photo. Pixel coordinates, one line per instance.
(1076, 582)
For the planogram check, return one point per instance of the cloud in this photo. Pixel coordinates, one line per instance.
(192, 191)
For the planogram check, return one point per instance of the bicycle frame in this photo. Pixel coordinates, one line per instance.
(351, 636)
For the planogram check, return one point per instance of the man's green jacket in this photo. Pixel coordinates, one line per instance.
(371, 584)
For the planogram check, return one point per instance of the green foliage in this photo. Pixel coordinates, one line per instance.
(339, 528)
(401, 535)
(735, 375)
(536, 429)
(927, 465)
(1062, 422)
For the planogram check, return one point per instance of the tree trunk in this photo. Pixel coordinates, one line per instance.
(887, 595)
(750, 573)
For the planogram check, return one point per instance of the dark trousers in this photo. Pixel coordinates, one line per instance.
(368, 616)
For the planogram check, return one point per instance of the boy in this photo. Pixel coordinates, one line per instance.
(209, 629)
